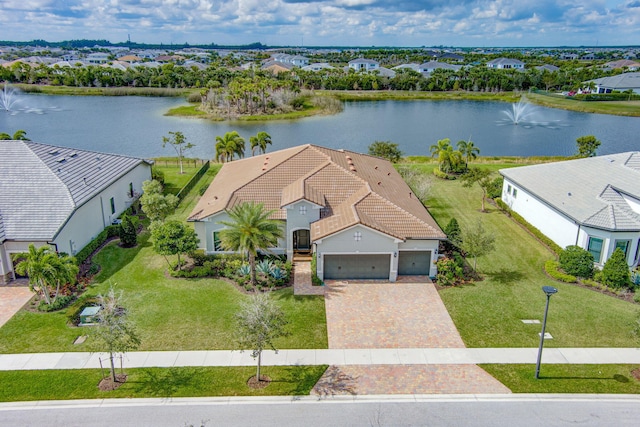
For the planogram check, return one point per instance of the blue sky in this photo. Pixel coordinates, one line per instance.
(328, 22)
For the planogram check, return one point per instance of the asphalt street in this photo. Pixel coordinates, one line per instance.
(505, 410)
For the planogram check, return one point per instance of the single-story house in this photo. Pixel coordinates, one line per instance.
(505, 63)
(318, 66)
(354, 211)
(429, 67)
(62, 197)
(622, 63)
(621, 82)
(593, 202)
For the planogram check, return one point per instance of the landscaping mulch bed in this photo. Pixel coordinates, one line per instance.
(255, 384)
(107, 383)
(636, 374)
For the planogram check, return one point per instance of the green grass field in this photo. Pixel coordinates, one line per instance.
(567, 378)
(157, 382)
(489, 313)
(619, 108)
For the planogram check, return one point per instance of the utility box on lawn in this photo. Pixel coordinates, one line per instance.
(89, 316)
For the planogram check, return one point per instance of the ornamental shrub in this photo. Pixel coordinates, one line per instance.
(452, 230)
(127, 232)
(577, 261)
(551, 267)
(450, 273)
(615, 272)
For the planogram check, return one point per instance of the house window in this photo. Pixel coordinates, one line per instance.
(595, 248)
(637, 251)
(303, 210)
(515, 192)
(508, 189)
(113, 206)
(357, 236)
(131, 189)
(217, 244)
(624, 245)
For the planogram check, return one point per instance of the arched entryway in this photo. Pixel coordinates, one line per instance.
(301, 241)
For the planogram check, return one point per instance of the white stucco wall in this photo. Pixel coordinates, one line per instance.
(372, 242)
(562, 230)
(550, 222)
(92, 217)
(298, 221)
(205, 228)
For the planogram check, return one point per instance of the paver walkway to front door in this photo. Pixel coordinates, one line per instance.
(388, 315)
(395, 315)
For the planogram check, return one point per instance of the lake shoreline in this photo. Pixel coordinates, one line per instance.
(617, 108)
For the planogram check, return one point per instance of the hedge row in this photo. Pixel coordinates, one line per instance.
(553, 269)
(107, 233)
(606, 97)
(192, 182)
(544, 239)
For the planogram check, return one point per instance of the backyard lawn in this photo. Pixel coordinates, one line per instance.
(489, 313)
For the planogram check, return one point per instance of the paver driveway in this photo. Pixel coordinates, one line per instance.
(395, 315)
(388, 315)
(12, 299)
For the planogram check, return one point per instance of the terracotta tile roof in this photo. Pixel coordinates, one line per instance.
(352, 189)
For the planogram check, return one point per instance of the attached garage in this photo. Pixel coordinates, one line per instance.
(414, 263)
(365, 266)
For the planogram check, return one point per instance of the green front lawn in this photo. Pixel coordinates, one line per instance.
(567, 378)
(489, 313)
(171, 314)
(157, 382)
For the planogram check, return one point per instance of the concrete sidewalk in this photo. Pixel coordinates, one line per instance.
(344, 357)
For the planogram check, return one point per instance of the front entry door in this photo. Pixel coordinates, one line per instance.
(301, 240)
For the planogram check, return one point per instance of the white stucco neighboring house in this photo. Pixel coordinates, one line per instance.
(593, 202)
(505, 64)
(621, 82)
(354, 211)
(362, 64)
(62, 197)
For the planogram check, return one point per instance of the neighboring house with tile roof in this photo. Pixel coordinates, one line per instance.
(593, 202)
(62, 197)
(353, 210)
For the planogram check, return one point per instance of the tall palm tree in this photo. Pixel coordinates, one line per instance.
(448, 158)
(40, 266)
(468, 150)
(260, 142)
(250, 230)
(66, 271)
(228, 146)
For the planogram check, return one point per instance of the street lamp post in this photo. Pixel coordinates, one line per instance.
(548, 290)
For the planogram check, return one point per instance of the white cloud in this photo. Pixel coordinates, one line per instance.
(324, 22)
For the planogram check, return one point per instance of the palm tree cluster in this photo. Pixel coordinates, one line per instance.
(250, 230)
(47, 271)
(232, 145)
(451, 160)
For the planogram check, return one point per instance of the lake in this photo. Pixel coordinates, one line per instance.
(135, 126)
